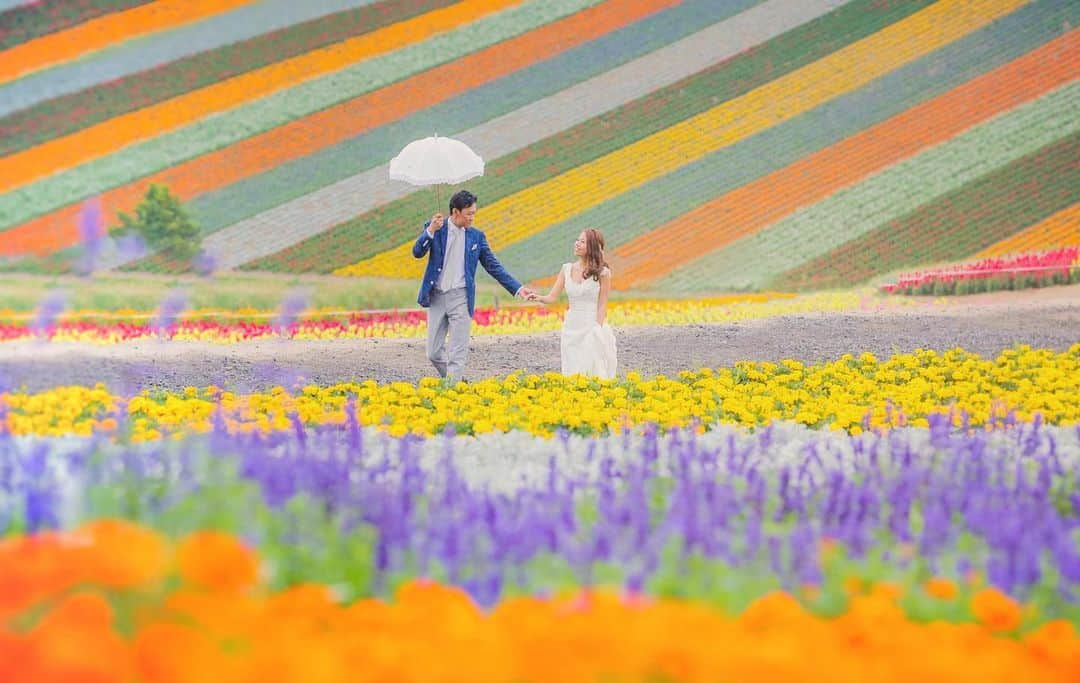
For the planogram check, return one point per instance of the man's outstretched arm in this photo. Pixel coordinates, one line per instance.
(497, 271)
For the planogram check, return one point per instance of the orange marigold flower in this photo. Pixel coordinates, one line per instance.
(995, 610)
(772, 610)
(174, 653)
(1056, 641)
(887, 590)
(122, 554)
(33, 568)
(217, 561)
(75, 642)
(942, 589)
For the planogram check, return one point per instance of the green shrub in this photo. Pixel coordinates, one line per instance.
(164, 225)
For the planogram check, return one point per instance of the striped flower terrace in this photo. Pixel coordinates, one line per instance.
(752, 144)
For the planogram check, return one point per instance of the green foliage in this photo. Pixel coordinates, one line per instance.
(164, 224)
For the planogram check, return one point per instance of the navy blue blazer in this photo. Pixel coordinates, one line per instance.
(476, 251)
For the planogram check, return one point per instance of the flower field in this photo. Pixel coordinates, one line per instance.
(939, 552)
(960, 223)
(209, 470)
(28, 21)
(522, 215)
(394, 223)
(228, 327)
(851, 393)
(99, 32)
(68, 112)
(1062, 229)
(837, 139)
(756, 205)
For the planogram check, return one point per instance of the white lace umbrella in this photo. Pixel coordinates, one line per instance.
(436, 161)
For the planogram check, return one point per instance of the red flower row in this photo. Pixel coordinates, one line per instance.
(1040, 265)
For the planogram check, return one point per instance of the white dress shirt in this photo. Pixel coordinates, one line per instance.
(452, 274)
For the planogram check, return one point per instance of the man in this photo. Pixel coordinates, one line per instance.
(449, 287)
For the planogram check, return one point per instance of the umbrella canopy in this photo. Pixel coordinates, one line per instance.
(436, 160)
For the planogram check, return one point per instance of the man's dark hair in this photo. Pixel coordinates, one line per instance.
(462, 200)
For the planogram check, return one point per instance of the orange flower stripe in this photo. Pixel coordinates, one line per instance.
(96, 141)
(1060, 230)
(99, 33)
(201, 614)
(758, 204)
(323, 129)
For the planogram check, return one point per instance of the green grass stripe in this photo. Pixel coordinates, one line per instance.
(629, 215)
(24, 23)
(73, 112)
(214, 132)
(957, 225)
(390, 225)
(813, 231)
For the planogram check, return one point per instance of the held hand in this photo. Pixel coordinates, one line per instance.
(436, 223)
(527, 294)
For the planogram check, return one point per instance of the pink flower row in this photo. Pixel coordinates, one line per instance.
(1038, 264)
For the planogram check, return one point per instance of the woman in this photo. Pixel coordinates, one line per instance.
(587, 342)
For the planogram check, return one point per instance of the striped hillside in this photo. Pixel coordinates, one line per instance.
(101, 32)
(743, 144)
(957, 224)
(528, 212)
(24, 20)
(1059, 230)
(758, 204)
(780, 53)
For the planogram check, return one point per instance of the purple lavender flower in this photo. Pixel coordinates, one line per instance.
(638, 511)
(174, 303)
(48, 311)
(131, 247)
(40, 496)
(205, 263)
(294, 303)
(91, 236)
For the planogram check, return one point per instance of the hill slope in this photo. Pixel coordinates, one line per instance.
(718, 145)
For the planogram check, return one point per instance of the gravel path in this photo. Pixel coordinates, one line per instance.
(984, 324)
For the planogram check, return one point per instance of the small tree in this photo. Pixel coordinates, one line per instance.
(164, 224)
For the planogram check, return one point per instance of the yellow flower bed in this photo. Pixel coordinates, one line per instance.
(837, 395)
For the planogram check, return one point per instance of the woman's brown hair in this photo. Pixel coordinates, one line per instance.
(594, 254)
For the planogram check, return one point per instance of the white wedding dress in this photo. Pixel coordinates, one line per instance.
(587, 348)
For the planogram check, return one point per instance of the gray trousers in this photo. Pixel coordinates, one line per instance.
(448, 315)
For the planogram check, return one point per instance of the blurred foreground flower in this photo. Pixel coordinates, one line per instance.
(60, 623)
